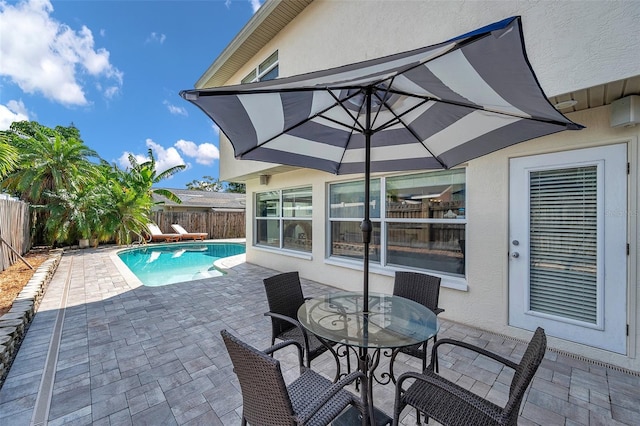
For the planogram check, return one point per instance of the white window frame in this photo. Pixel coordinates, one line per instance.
(257, 74)
(383, 267)
(281, 218)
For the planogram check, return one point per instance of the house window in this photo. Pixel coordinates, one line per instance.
(422, 224)
(346, 212)
(267, 70)
(283, 219)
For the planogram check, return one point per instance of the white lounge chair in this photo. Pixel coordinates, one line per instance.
(189, 235)
(157, 235)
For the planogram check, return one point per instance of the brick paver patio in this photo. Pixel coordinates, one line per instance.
(130, 354)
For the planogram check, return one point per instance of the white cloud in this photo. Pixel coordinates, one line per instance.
(165, 157)
(111, 91)
(12, 111)
(156, 37)
(205, 153)
(174, 109)
(42, 55)
(255, 5)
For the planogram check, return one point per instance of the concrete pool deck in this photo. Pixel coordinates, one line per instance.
(105, 350)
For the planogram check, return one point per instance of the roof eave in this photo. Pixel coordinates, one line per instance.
(247, 43)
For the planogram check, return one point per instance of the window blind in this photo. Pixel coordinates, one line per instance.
(563, 243)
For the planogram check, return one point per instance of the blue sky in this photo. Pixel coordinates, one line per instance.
(114, 69)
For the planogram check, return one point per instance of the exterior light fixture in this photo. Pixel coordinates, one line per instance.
(566, 104)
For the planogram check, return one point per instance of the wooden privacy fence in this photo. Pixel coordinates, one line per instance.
(216, 224)
(14, 230)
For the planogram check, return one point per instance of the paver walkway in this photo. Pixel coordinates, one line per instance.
(129, 354)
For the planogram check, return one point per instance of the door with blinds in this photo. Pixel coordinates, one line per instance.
(568, 245)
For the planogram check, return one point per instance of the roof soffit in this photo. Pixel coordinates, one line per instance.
(600, 95)
(265, 24)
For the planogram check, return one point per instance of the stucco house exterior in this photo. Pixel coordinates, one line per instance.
(543, 233)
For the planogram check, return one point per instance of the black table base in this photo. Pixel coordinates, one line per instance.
(352, 417)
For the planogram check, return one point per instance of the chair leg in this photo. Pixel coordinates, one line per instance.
(243, 421)
(434, 361)
(398, 407)
(424, 356)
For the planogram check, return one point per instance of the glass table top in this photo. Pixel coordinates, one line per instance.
(392, 321)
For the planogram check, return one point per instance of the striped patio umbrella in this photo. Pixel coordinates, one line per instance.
(429, 108)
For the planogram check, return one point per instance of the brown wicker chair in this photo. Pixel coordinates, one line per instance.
(424, 289)
(450, 404)
(310, 399)
(284, 295)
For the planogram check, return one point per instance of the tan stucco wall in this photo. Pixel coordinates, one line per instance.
(487, 235)
(571, 44)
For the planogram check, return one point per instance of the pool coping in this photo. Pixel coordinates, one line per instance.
(224, 265)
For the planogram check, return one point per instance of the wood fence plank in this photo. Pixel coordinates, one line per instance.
(14, 230)
(217, 224)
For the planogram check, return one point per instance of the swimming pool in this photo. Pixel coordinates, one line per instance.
(159, 265)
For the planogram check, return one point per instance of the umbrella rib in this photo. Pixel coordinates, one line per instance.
(409, 129)
(355, 119)
(477, 107)
(398, 116)
(341, 104)
(318, 114)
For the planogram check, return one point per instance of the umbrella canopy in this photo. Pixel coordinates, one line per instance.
(429, 108)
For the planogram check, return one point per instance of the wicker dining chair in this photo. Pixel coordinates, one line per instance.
(423, 289)
(310, 399)
(284, 296)
(451, 404)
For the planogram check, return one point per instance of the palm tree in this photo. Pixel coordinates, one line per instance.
(130, 199)
(144, 176)
(47, 162)
(126, 210)
(8, 155)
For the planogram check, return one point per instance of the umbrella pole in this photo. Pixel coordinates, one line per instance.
(366, 226)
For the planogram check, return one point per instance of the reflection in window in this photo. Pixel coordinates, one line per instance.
(346, 212)
(422, 225)
(283, 219)
(433, 246)
(347, 200)
(267, 70)
(346, 241)
(434, 195)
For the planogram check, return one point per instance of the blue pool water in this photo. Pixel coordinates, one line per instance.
(174, 263)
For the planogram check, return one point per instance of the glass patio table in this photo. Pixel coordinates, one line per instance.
(391, 322)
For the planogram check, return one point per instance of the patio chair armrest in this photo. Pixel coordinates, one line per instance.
(285, 318)
(451, 389)
(477, 349)
(281, 345)
(294, 322)
(331, 391)
(438, 311)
